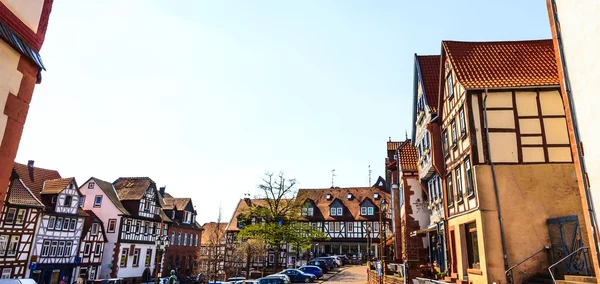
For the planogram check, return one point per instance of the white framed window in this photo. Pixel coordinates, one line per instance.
(66, 224)
(350, 226)
(136, 257)
(6, 273)
(59, 222)
(94, 229)
(91, 185)
(143, 227)
(68, 201)
(72, 225)
(333, 211)
(339, 211)
(3, 244)
(53, 248)
(370, 210)
(13, 246)
(82, 201)
(10, 216)
(51, 222)
(68, 248)
(46, 248)
(92, 273)
(98, 249)
(363, 211)
(61, 248)
(112, 224)
(86, 249)
(98, 201)
(20, 216)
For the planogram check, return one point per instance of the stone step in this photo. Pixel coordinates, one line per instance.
(578, 278)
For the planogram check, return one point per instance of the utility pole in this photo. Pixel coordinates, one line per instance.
(370, 176)
(332, 177)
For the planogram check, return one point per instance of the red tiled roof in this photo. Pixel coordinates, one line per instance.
(408, 157)
(110, 192)
(19, 194)
(176, 203)
(210, 233)
(391, 145)
(242, 207)
(55, 186)
(429, 65)
(132, 188)
(352, 206)
(36, 183)
(503, 64)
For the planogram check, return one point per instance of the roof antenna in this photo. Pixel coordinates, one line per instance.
(332, 176)
(406, 133)
(390, 139)
(370, 176)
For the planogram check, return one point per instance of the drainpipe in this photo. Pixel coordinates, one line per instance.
(487, 137)
(570, 105)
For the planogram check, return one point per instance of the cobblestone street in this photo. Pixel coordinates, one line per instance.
(350, 274)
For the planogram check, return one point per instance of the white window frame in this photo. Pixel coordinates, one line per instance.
(70, 201)
(66, 224)
(98, 249)
(340, 211)
(53, 248)
(333, 211)
(73, 224)
(87, 249)
(68, 248)
(22, 220)
(92, 273)
(58, 224)
(6, 273)
(60, 249)
(370, 210)
(45, 248)
(51, 222)
(136, 258)
(95, 229)
(13, 246)
(363, 211)
(98, 201)
(4, 244)
(10, 216)
(82, 201)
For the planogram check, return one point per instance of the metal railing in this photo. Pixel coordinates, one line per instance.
(563, 259)
(508, 272)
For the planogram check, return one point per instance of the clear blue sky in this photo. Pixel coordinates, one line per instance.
(204, 96)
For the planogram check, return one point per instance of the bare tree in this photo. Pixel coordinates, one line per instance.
(216, 250)
(249, 250)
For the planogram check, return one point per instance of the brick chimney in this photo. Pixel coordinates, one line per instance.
(30, 167)
(248, 201)
(162, 191)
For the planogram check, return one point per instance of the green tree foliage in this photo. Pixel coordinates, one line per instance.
(277, 218)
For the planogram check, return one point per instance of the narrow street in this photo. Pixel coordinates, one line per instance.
(350, 274)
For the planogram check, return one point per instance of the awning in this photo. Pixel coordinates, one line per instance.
(421, 232)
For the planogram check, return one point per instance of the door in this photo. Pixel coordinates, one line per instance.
(565, 240)
(453, 250)
(55, 276)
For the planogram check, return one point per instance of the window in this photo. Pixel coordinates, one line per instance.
(68, 247)
(143, 227)
(66, 224)
(350, 226)
(308, 211)
(472, 245)
(185, 239)
(53, 248)
(449, 190)
(68, 201)
(446, 149)
(10, 216)
(148, 257)
(73, 224)
(459, 191)
(6, 272)
(81, 201)
(94, 229)
(61, 248)
(126, 226)
(58, 223)
(98, 249)
(453, 130)
(333, 211)
(86, 249)
(363, 211)
(375, 227)
(370, 210)
(3, 244)
(173, 238)
(124, 254)
(45, 248)
(470, 189)
(339, 211)
(450, 85)
(112, 223)
(146, 228)
(51, 222)
(91, 185)
(462, 122)
(136, 257)
(92, 274)
(20, 217)
(98, 201)
(137, 227)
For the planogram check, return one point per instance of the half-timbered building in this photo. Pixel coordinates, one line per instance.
(18, 224)
(212, 249)
(510, 183)
(55, 252)
(135, 251)
(350, 218)
(91, 248)
(426, 137)
(184, 234)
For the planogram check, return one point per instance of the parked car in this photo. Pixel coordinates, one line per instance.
(312, 269)
(247, 282)
(236, 279)
(273, 280)
(345, 259)
(18, 281)
(338, 260)
(299, 276)
(328, 260)
(320, 263)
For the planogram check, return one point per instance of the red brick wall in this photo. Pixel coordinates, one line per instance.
(16, 108)
(182, 251)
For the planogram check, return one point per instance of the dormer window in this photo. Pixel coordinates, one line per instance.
(376, 195)
(366, 210)
(328, 196)
(95, 229)
(308, 210)
(68, 201)
(336, 211)
(349, 196)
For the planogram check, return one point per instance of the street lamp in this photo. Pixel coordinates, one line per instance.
(162, 243)
(368, 243)
(382, 210)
